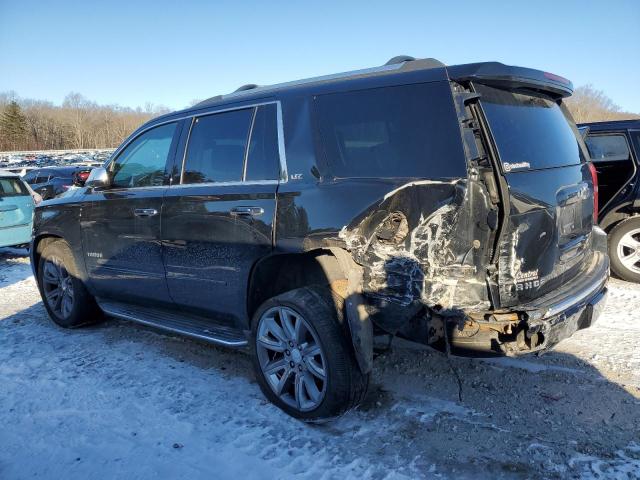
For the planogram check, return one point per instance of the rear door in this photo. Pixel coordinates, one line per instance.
(610, 152)
(16, 203)
(217, 218)
(546, 236)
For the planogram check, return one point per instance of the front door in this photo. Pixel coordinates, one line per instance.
(121, 224)
(217, 220)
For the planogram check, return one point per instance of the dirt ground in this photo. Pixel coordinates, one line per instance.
(119, 400)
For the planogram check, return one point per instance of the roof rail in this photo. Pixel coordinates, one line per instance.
(394, 64)
(400, 59)
(248, 86)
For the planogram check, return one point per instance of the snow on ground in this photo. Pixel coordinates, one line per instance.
(119, 400)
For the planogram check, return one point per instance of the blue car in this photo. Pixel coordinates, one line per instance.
(17, 201)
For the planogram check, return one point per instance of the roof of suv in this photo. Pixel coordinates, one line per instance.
(428, 69)
(611, 125)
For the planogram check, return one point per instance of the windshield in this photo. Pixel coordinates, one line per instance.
(530, 131)
(12, 187)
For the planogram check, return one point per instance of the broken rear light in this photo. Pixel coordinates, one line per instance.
(594, 178)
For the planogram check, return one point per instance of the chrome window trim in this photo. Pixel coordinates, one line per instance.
(281, 144)
(225, 184)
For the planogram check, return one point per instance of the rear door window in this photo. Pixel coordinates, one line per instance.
(531, 131)
(217, 146)
(263, 159)
(608, 148)
(399, 131)
(12, 187)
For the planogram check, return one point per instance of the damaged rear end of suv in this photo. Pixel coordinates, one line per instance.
(493, 249)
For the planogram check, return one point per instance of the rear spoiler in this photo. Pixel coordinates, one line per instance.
(507, 76)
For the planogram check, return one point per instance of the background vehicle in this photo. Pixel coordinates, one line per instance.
(50, 182)
(411, 199)
(614, 148)
(16, 210)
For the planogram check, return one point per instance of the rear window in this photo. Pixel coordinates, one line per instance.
(530, 131)
(400, 131)
(12, 187)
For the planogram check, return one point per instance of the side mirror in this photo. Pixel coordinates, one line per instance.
(98, 178)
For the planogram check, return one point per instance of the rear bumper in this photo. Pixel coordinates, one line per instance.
(16, 235)
(541, 324)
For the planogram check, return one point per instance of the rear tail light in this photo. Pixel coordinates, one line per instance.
(82, 176)
(594, 178)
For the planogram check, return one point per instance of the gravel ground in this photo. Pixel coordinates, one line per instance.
(122, 401)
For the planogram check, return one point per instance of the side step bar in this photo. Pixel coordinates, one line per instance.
(188, 325)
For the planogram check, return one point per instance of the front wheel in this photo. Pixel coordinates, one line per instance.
(303, 360)
(624, 249)
(65, 297)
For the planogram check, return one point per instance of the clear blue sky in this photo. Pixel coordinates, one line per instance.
(133, 52)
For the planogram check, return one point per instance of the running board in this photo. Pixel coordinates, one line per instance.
(188, 325)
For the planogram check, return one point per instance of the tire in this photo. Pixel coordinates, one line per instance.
(624, 249)
(325, 346)
(74, 306)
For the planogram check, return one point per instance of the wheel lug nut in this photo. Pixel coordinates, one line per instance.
(300, 367)
(287, 352)
(291, 364)
(291, 344)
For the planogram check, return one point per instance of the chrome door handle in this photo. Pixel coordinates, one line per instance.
(247, 211)
(145, 212)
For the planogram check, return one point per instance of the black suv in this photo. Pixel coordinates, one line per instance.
(452, 206)
(614, 148)
(50, 182)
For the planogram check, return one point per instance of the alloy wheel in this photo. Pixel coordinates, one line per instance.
(291, 358)
(58, 287)
(629, 250)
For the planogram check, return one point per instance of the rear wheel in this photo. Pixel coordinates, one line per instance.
(64, 295)
(624, 249)
(302, 357)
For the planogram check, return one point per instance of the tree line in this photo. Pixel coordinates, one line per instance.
(27, 124)
(78, 123)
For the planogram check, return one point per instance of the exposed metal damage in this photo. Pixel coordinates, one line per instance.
(417, 249)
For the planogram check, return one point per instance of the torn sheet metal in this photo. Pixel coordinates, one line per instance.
(422, 243)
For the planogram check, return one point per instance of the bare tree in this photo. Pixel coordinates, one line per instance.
(587, 104)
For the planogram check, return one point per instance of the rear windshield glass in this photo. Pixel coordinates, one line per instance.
(400, 131)
(12, 187)
(530, 131)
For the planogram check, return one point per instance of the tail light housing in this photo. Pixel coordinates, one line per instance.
(594, 178)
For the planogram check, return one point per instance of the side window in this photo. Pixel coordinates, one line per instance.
(42, 178)
(12, 187)
(400, 131)
(608, 148)
(263, 160)
(217, 147)
(142, 162)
